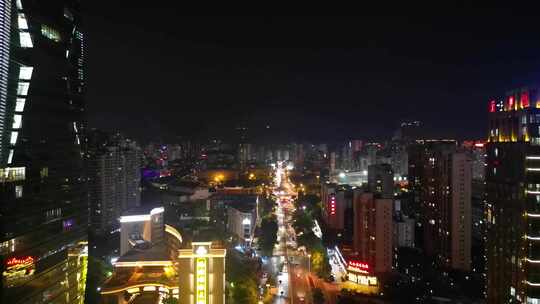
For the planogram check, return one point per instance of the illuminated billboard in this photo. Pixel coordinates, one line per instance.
(18, 269)
(358, 272)
(201, 280)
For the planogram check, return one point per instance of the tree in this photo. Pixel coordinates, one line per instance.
(268, 237)
(302, 221)
(318, 296)
(245, 291)
(242, 273)
(319, 263)
(309, 240)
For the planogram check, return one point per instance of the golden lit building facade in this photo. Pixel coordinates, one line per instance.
(156, 264)
(203, 274)
(512, 204)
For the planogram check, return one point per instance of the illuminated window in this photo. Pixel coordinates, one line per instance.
(25, 73)
(17, 121)
(496, 152)
(12, 174)
(50, 33)
(18, 191)
(22, 88)
(19, 105)
(10, 157)
(23, 25)
(44, 172)
(13, 139)
(26, 40)
(19, 4)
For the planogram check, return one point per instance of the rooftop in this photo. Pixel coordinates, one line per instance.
(144, 209)
(158, 252)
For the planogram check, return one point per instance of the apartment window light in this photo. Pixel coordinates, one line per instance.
(50, 33)
(17, 121)
(22, 89)
(26, 40)
(21, 20)
(13, 139)
(19, 104)
(25, 73)
(10, 157)
(18, 191)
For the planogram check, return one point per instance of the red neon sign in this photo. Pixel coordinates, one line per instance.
(492, 106)
(525, 103)
(21, 261)
(511, 103)
(358, 266)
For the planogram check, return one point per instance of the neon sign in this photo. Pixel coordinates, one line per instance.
(332, 205)
(22, 261)
(492, 106)
(358, 266)
(201, 280)
(525, 100)
(511, 103)
(18, 270)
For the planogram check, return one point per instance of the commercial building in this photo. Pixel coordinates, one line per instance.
(513, 193)
(373, 230)
(203, 274)
(241, 221)
(44, 213)
(158, 262)
(114, 182)
(140, 226)
(442, 179)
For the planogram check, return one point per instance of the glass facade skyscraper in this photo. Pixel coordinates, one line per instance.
(512, 204)
(43, 200)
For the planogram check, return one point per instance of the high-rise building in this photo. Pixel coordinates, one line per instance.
(114, 180)
(512, 200)
(373, 230)
(442, 183)
(44, 210)
(381, 180)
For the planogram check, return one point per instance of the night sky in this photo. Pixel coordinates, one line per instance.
(155, 74)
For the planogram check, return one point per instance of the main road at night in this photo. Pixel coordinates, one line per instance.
(293, 267)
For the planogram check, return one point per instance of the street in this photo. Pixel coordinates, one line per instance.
(291, 266)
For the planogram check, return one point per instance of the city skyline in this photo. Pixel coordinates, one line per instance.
(153, 158)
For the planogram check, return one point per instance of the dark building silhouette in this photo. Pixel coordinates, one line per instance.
(43, 209)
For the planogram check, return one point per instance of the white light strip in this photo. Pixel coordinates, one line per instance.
(533, 157)
(533, 214)
(5, 41)
(143, 263)
(533, 238)
(533, 169)
(134, 218)
(532, 284)
(157, 210)
(532, 261)
(532, 192)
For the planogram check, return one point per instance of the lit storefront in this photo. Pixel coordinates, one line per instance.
(360, 278)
